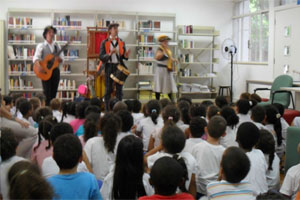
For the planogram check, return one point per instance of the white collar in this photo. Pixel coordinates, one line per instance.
(110, 37)
(47, 43)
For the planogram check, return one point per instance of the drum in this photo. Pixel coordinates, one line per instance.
(120, 75)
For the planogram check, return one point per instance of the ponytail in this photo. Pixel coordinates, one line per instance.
(153, 109)
(273, 117)
(181, 161)
(154, 116)
(278, 131)
(45, 127)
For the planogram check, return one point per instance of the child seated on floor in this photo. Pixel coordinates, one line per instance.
(258, 115)
(56, 109)
(26, 111)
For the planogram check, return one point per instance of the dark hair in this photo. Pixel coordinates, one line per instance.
(221, 101)
(41, 96)
(207, 103)
(255, 97)
(164, 102)
(35, 102)
(272, 194)
(187, 99)
(80, 109)
(136, 106)
(212, 111)
(244, 105)
(230, 116)
(91, 126)
(173, 139)
(26, 182)
(15, 96)
(197, 110)
(197, 127)
(41, 113)
(129, 169)
(60, 129)
(47, 29)
(166, 175)
(184, 108)
(67, 151)
(8, 144)
(25, 107)
(129, 104)
(95, 101)
(19, 101)
(266, 144)
(55, 104)
(153, 109)
(216, 127)
(44, 130)
(112, 103)
(258, 113)
(280, 108)
(110, 125)
(246, 96)
(235, 164)
(127, 120)
(92, 109)
(171, 111)
(120, 105)
(8, 99)
(145, 111)
(247, 135)
(68, 108)
(273, 117)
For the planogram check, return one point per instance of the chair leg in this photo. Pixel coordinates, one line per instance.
(293, 103)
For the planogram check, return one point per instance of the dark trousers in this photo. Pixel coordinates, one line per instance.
(50, 86)
(110, 68)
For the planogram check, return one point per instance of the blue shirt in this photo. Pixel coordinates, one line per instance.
(81, 185)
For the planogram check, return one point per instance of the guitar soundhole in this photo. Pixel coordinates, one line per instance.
(49, 64)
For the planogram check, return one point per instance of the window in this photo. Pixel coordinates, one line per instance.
(251, 30)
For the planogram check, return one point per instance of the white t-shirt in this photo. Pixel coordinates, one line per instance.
(106, 189)
(4, 169)
(68, 118)
(182, 125)
(258, 170)
(229, 139)
(279, 149)
(146, 127)
(101, 160)
(120, 137)
(259, 125)
(50, 168)
(189, 160)
(208, 158)
(243, 118)
(290, 185)
(273, 176)
(57, 114)
(137, 117)
(190, 143)
(296, 121)
(284, 126)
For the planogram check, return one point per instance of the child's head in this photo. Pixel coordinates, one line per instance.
(272, 194)
(247, 135)
(68, 108)
(67, 151)
(280, 108)
(92, 109)
(255, 97)
(26, 109)
(184, 107)
(230, 116)
(245, 95)
(110, 125)
(153, 110)
(266, 144)
(197, 110)
(26, 182)
(273, 117)
(197, 127)
(129, 163)
(221, 101)
(19, 101)
(42, 98)
(207, 103)
(173, 139)
(35, 102)
(129, 104)
(127, 120)
(41, 113)
(136, 106)
(258, 114)
(112, 103)
(60, 129)
(235, 165)
(216, 127)
(55, 104)
(171, 113)
(164, 102)
(8, 101)
(80, 109)
(91, 126)
(8, 144)
(15, 96)
(243, 106)
(166, 175)
(120, 105)
(187, 99)
(212, 111)
(95, 101)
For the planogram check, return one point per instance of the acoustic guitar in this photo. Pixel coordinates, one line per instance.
(48, 64)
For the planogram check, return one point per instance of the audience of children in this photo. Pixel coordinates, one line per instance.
(122, 147)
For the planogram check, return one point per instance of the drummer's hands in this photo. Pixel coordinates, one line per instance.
(114, 50)
(127, 53)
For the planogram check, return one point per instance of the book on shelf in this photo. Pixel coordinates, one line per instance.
(146, 52)
(187, 43)
(186, 58)
(146, 68)
(187, 29)
(20, 68)
(66, 68)
(149, 25)
(66, 21)
(21, 52)
(20, 22)
(10, 52)
(106, 22)
(146, 38)
(71, 53)
(18, 83)
(66, 84)
(62, 36)
(21, 38)
(66, 95)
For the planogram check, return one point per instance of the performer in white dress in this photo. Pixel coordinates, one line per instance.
(164, 78)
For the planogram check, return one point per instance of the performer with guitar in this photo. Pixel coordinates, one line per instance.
(163, 77)
(46, 61)
(112, 53)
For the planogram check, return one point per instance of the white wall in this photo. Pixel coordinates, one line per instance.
(216, 13)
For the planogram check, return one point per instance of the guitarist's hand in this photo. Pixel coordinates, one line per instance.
(41, 70)
(58, 59)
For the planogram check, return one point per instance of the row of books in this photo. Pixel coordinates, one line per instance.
(146, 68)
(27, 37)
(20, 67)
(187, 29)
(106, 23)
(149, 24)
(186, 58)
(187, 43)
(66, 21)
(147, 52)
(71, 52)
(20, 21)
(66, 68)
(186, 72)
(62, 36)
(194, 87)
(66, 84)
(21, 52)
(66, 95)
(18, 83)
(146, 38)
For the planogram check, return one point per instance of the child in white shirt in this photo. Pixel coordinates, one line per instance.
(136, 114)
(26, 110)
(232, 121)
(258, 115)
(56, 109)
(243, 108)
(247, 137)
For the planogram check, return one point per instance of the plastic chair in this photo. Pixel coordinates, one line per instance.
(292, 157)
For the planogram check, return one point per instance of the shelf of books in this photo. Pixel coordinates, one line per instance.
(197, 59)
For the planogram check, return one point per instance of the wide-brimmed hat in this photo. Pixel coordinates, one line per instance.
(162, 38)
(110, 26)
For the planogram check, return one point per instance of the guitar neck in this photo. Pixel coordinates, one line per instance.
(62, 49)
